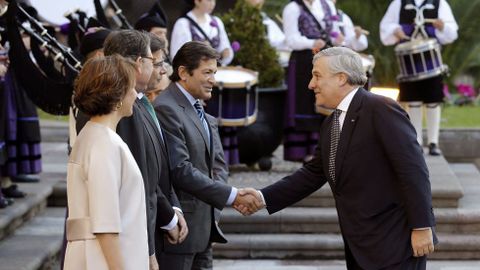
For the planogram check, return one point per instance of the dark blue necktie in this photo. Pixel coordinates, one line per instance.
(201, 115)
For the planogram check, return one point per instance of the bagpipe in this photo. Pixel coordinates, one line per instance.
(48, 78)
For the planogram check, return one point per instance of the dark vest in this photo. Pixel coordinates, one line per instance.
(407, 17)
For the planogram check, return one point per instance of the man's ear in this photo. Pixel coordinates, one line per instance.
(182, 72)
(138, 63)
(342, 79)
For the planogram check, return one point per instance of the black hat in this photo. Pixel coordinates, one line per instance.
(93, 40)
(154, 18)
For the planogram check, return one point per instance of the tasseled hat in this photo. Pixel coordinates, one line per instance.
(154, 18)
(93, 40)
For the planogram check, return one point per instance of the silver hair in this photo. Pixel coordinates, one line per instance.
(344, 60)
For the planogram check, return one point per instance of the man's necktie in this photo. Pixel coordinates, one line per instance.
(201, 115)
(334, 138)
(151, 111)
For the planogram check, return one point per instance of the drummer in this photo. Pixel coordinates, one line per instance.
(397, 26)
(308, 26)
(354, 36)
(199, 25)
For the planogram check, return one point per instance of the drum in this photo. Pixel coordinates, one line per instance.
(419, 60)
(234, 98)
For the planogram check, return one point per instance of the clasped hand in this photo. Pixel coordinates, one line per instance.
(248, 201)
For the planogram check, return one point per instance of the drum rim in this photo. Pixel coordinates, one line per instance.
(424, 75)
(238, 84)
(403, 49)
(238, 122)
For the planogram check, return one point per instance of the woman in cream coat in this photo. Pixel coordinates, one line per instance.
(106, 225)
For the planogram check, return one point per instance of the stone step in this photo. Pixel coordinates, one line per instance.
(36, 244)
(325, 220)
(327, 265)
(53, 131)
(24, 209)
(328, 247)
(446, 189)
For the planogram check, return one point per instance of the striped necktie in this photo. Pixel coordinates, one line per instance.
(334, 138)
(201, 115)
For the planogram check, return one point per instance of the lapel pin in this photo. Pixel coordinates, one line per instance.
(352, 120)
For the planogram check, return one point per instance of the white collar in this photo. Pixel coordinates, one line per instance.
(345, 103)
(140, 95)
(189, 97)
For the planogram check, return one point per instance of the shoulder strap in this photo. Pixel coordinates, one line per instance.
(324, 34)
(195, 24)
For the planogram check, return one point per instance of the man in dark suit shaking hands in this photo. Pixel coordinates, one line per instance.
(369, 155)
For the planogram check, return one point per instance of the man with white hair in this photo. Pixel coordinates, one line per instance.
(369, 155)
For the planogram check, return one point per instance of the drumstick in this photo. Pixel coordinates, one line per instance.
(433, 20)
(365, 32)
(279, 18)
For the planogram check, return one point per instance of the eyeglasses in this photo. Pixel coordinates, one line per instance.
(159, 64)
(151, 58)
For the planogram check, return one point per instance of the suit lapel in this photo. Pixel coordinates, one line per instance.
(150, 126)
(192, 114)
(348, 127)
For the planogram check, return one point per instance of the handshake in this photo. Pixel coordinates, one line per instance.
(248, 201)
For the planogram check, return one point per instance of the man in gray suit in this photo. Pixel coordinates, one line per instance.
(192, 157)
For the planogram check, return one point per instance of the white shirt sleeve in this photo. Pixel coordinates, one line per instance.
(390, 23)
(275, 35)
(180, 35)
(351, 40)
(449, 33)
(224, 42)
(295, 40)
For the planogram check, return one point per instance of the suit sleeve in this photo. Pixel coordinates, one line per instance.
(296, 186)
(392, 124)
(186, 176)
(219, 166)
(156, 202)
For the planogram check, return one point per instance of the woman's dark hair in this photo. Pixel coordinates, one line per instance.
(103, 83)
(190, 55)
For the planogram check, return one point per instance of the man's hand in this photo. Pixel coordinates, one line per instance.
(173, 235)
(438, 24)
(182, 224)
(152, 262)
(248, 201)
(422, 242)
(400, 34)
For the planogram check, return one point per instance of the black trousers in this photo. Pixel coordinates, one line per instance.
(190, 261)
(412, 263)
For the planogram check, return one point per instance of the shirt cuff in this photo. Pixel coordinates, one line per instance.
(172, 223)
(421, 229)
(263, 199)
(233, 195)
(178, 209)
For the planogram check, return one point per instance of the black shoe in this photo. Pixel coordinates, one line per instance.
(23, 178)
(433, 150)
(13, 192)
